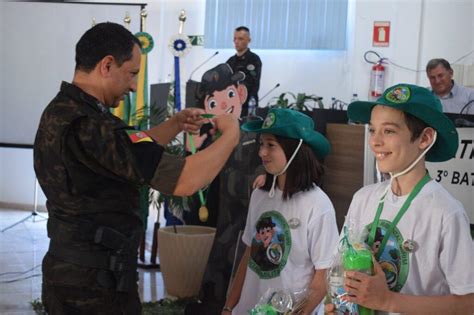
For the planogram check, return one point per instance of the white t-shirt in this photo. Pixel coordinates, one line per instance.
(297, 236)
(435, 225)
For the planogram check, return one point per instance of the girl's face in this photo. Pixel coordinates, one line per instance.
(272, 154)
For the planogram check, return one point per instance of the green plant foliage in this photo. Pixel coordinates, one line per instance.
(38, 307)
(299, 101)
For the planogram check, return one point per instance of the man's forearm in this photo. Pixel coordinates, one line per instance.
(165, 132)
(201, 168)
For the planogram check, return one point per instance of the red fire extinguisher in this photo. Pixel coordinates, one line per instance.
(377, 77)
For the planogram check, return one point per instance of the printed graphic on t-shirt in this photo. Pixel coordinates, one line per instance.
(394, 260)
(271, 244)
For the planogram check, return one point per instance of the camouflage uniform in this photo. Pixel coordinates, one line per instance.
(90, 171)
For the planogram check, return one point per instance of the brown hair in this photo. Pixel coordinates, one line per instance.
(304, 171)
(415, 125)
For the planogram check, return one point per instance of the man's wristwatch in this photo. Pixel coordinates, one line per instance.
(227, 309)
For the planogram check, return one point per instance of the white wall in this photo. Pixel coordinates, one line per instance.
(420, 30)
(38, 54)
(2, 64)
(325, 73)
(448, 32)
(18, 179)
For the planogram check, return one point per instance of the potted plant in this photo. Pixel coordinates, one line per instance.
(299, 101)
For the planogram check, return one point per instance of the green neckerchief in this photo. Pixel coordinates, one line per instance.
(399, 215)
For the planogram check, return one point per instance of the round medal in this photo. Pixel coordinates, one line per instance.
(203, 214)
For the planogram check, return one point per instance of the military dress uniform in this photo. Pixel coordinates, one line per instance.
(90, 166)
(250, 64)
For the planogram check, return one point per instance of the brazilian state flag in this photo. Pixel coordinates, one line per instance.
(139, 107)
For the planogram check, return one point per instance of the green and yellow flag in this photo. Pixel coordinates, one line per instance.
(123, 110)
(139, 105)
(133, 108)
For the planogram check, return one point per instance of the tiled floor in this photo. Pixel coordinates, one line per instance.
(21, 251)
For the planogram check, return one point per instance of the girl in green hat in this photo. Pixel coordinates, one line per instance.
(419, 234)
(291, 226)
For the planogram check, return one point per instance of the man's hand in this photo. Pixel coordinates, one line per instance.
(190, 120)
(369, 291)
(227, 124)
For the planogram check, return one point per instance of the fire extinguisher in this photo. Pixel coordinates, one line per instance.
(377, 76)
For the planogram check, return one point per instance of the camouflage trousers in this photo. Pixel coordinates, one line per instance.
(74, 301)
(71, 290)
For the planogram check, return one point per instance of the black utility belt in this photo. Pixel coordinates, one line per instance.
(108, 260)
(122, 265)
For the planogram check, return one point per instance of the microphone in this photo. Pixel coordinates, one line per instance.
(202, 64)
(271, 90)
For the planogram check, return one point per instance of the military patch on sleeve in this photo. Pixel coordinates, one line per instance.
(137, 136)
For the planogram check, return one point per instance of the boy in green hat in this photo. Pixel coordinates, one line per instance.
(291, 225)
(419, 234)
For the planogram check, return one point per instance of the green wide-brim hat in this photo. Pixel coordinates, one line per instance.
(291, 124)
(421, 103)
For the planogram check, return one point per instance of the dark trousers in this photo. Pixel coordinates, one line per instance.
(72, 290)
(74, 301)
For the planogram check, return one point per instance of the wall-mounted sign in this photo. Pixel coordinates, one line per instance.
(381, 36)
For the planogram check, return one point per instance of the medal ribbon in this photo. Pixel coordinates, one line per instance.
(193, 151)
(399, 215)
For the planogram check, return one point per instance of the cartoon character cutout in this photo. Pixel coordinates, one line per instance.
(221, 93)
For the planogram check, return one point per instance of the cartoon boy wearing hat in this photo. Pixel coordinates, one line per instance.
(264, 237)
(227, 197)
(222, 94)
(422, 225)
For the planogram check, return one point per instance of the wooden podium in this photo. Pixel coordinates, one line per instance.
(348, 166)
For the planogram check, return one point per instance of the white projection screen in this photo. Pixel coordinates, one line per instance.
(37, 43)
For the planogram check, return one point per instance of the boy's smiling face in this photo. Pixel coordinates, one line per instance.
(390, 140)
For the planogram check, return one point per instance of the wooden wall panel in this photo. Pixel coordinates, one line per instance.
(344, 166)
